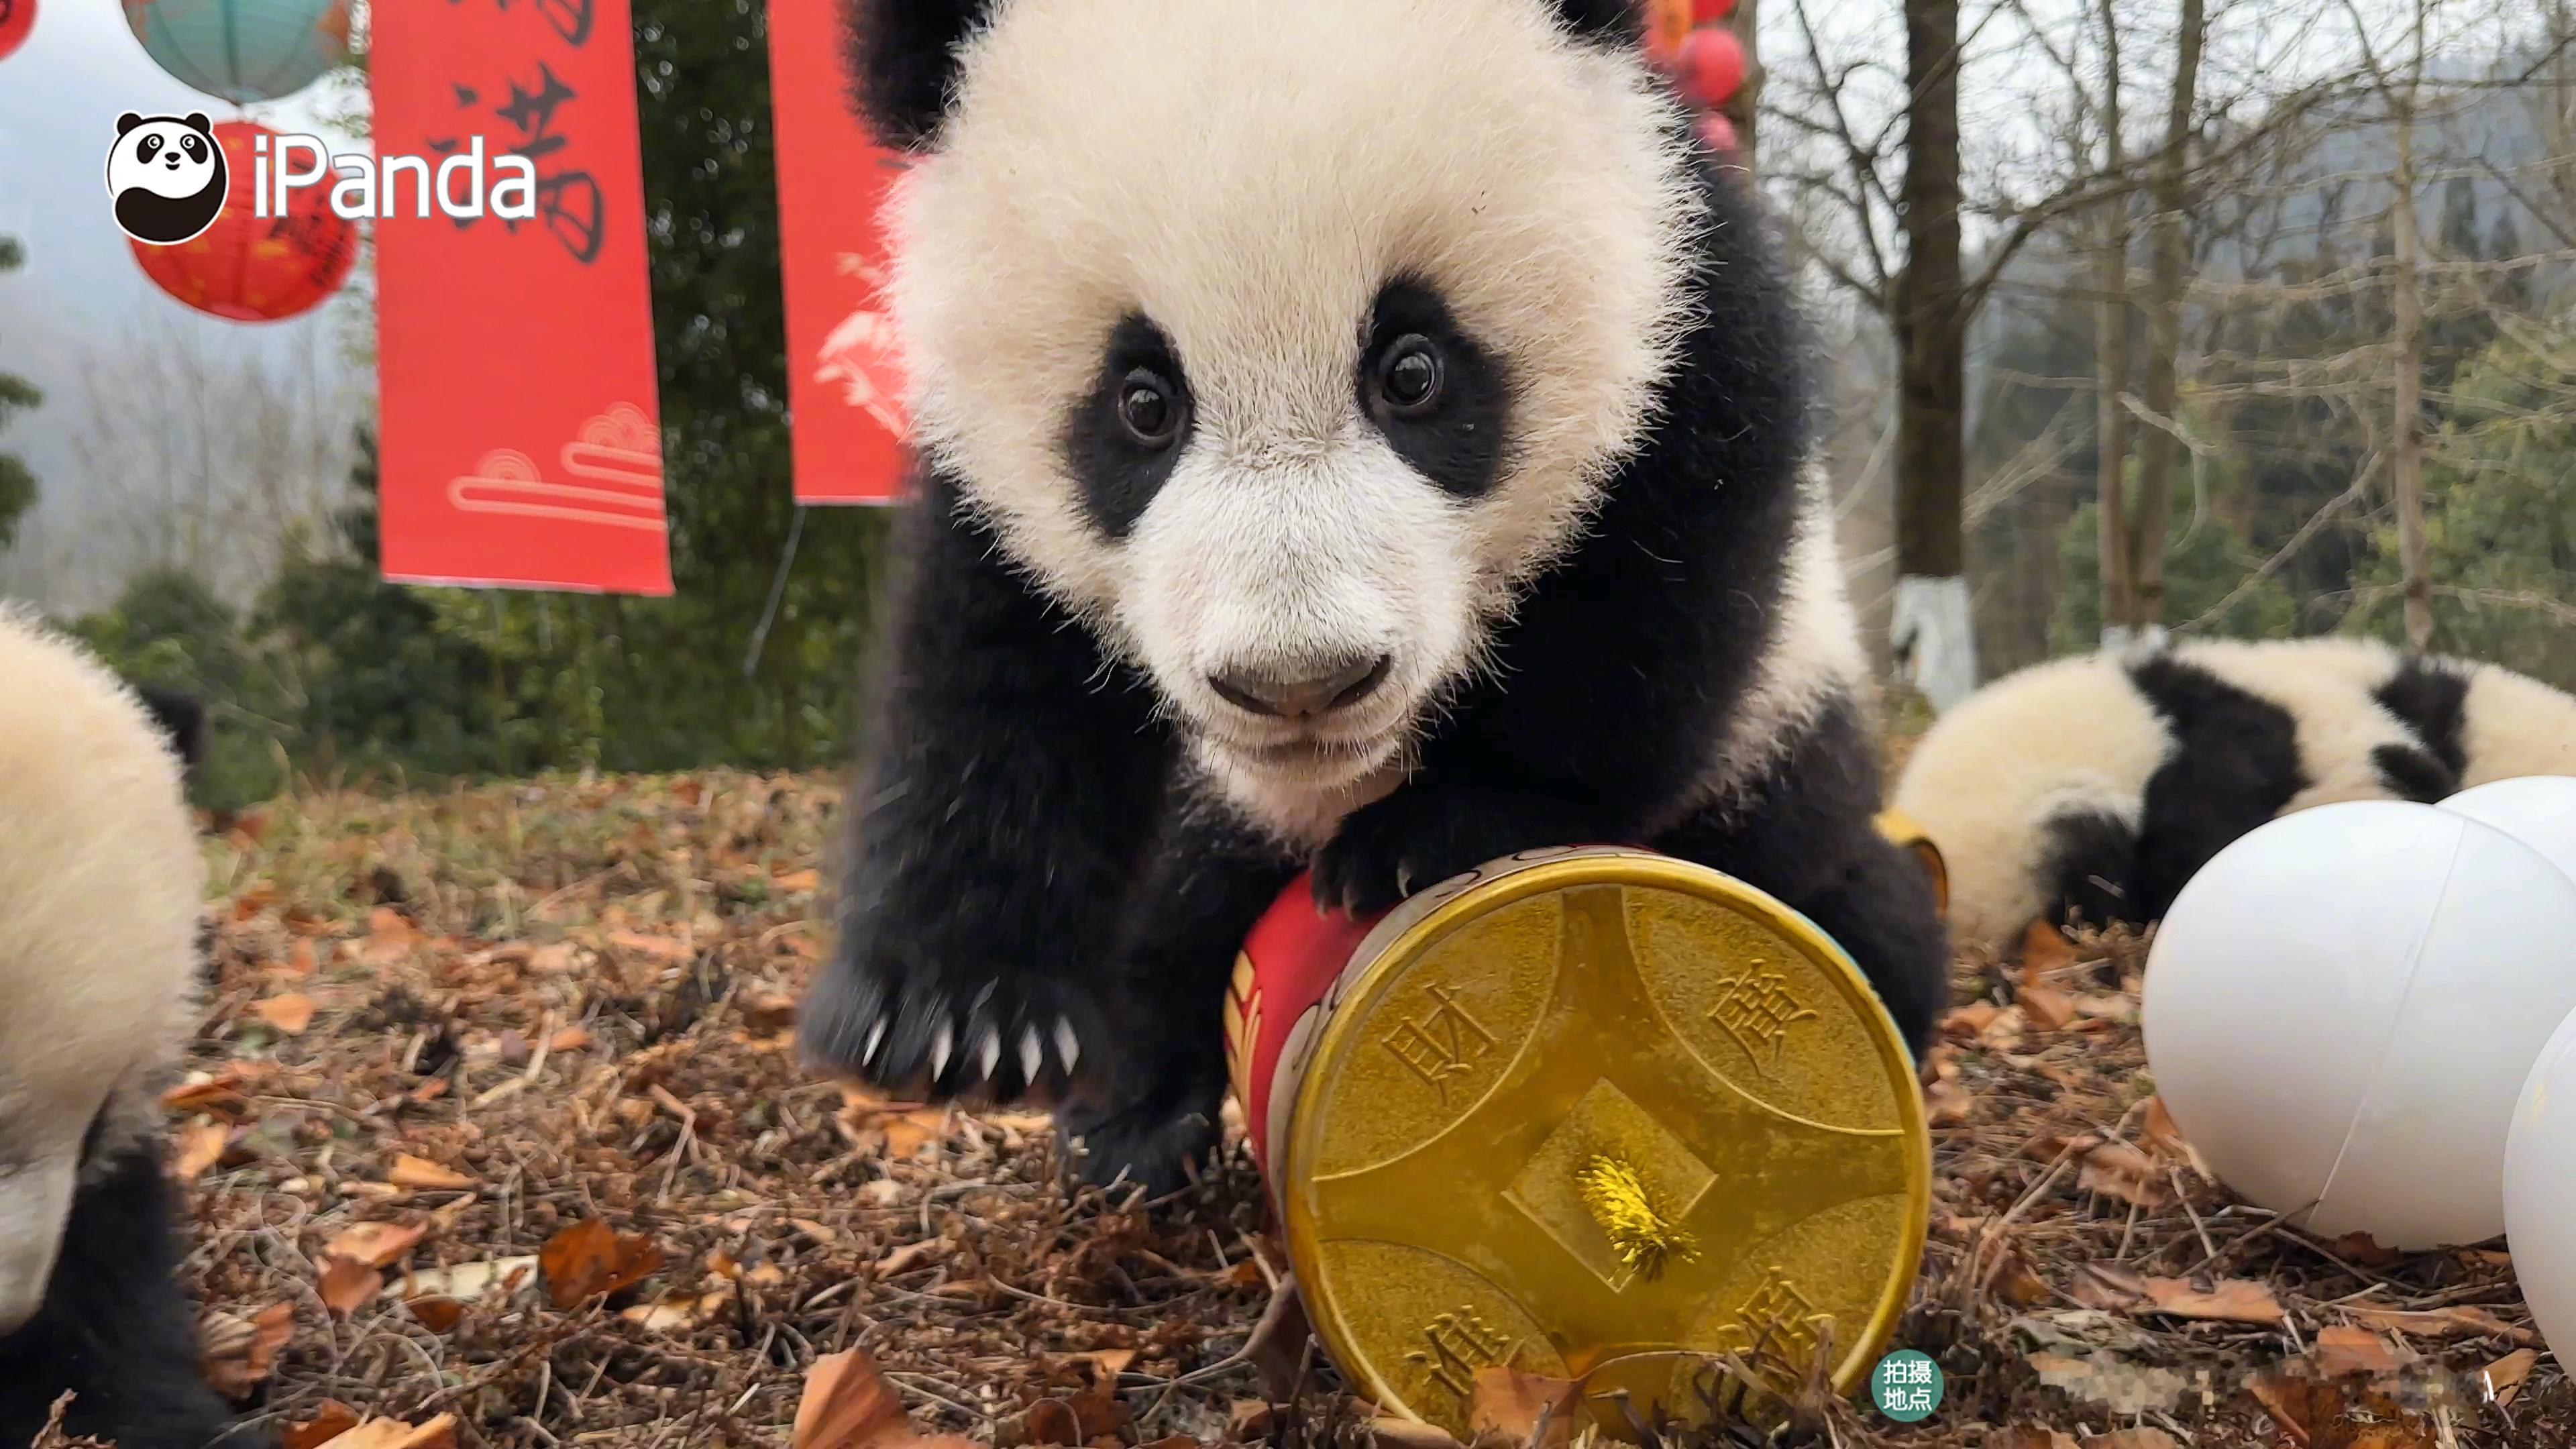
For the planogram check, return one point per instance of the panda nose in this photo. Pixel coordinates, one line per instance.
(1300, 693)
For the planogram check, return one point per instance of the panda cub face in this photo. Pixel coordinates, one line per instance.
(1284, 343)
(168, 176)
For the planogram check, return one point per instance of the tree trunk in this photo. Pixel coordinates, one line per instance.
(1744, 107)
(2157, 445)
(2111, 365)
(2406, 456)
(1930, 631)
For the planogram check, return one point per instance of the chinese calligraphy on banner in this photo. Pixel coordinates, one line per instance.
(521, 442)
(844, 381)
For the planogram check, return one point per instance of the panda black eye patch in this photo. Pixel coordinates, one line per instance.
(1122, 437)
(1439, 398)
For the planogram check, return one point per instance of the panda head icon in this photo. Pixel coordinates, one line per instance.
(168, 177)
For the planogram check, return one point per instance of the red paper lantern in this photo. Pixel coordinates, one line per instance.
(1712, 65)
(252, 268)
(17, 18)
(1709, 12)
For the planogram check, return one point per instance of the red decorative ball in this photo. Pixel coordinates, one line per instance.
(1717, 133)
(1708, 12)
(17, 18)
(1668, 24)
(1712, 65)
(252, 268)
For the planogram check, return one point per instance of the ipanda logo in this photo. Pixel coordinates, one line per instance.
(167, 176)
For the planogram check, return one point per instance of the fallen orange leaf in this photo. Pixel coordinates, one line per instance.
(2046, 1007)
(2043, 949)
(437, 1314)
(2343, 1349)
(590, 1258)
(240, 1354)
(660, 948)
(438, 1433)
(847, 1404)
(330, 1420)
(2504, 1377)
(2230, 1300)
(376, 1245)
(2126, 1173)
(345, 1286)
(290, 1013)
(570, 1039)
(422, 1175)
(2460, 1321)
(201, 1145)
(1527, 1410)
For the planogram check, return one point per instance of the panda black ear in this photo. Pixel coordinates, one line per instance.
(901, 60)
(127, 122)
(197, 122)
(1610, 20)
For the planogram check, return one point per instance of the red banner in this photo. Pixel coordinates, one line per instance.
(844, 381)
(520, 430)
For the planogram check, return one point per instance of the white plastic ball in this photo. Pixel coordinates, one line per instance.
(2539, 1178)
(2341, 1008)
(2538, 810)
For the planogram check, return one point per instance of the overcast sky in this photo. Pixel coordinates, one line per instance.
(81, 291)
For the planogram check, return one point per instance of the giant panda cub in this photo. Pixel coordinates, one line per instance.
(1365, 434)
(2093, 787)
(99, 888)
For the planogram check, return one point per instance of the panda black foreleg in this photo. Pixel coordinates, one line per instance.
(998, 833)
(1806, 834)
(1210, 882)
(115, 1330)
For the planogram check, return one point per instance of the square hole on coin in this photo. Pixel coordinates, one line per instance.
(1606, 1122)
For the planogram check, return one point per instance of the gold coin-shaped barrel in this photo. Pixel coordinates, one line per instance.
(1590, 1113)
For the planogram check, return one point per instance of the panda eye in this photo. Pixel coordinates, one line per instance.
(150, 148)
(195, 148)
(1148, 409)
(1409, 376)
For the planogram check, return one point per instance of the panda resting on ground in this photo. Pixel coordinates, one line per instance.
(100, 883)
(2093, 787)
(1357, 433)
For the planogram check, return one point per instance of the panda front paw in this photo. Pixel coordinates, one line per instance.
(1003, 1038)
(1422, 835)
(1153, 1143)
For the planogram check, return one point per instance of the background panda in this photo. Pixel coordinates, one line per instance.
(1359, 432)
(2096, 786)
(100, 881)
(168, 176)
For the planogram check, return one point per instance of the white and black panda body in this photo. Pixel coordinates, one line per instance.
(99, 891)
(1364, 433)
(2092, 788)
(168, 176)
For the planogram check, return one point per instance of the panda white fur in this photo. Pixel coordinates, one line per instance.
(100, 882)
(2095, 786)
(1365, 433)
(168, 177)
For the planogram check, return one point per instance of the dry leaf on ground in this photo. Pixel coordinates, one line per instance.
(201, 1146)
(2230, 1300)
(591, 1258)
(239, 1353)
(847, 1404)
(2126, 1173)
(2503, 1378)
(2343, 1349)
(290, 1013)
(330, 1420)
(438, 1433)
(2046, 1007)
(2460, 1321)
(345, 1286)
(1527, 1410)
(422, 1175)
(376, 1245)
(2133, 1439)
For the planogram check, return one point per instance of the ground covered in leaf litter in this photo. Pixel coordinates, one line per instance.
(496, 1137)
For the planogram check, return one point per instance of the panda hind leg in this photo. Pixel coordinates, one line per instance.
(115, 1330)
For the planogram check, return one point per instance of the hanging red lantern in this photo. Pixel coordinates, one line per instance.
(1709, 12)
(1712, 65)
(1717, 133)
(1668, 24)
(17, 18)
(252, 268)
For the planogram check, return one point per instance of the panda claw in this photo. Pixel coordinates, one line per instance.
(876, 1038)
(940, 1043)
(988, 1052)
(1032, 1054)
(1067, 1045)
